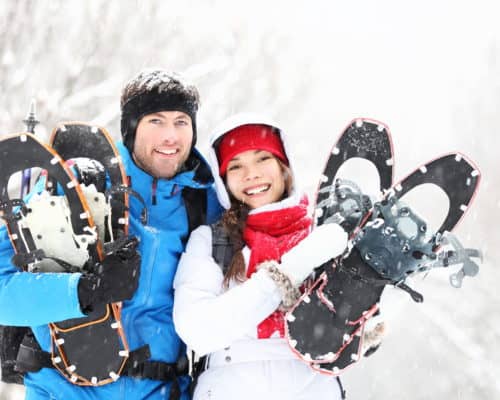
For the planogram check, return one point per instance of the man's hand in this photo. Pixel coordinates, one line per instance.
(114, 279)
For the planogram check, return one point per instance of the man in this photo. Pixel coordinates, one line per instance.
(158, 125)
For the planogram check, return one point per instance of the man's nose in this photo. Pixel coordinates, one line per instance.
(168, 133)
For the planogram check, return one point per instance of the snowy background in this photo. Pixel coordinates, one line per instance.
(429, 69)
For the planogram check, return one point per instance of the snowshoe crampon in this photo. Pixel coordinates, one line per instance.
(57, 233)
(388, 242)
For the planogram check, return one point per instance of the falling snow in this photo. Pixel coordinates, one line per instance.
(314, 69)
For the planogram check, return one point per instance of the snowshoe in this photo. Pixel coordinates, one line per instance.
(388, 242)
(90, 350)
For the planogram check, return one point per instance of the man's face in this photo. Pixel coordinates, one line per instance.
(163, 142)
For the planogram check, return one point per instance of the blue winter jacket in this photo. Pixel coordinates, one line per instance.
(35, 299)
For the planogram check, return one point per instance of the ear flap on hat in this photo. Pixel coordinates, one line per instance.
(220, 187)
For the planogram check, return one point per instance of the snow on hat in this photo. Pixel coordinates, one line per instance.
(155, 90)
(249, 137)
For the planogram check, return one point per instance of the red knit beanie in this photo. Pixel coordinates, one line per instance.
(249, 137)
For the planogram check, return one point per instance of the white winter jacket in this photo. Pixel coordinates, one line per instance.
(223, 324)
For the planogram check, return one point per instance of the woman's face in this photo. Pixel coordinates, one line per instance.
(256, 178)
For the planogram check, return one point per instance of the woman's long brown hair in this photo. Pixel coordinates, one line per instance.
(234, 220)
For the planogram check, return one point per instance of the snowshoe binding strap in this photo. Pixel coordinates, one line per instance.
(11, 209)
(416, 296)
(122, 189)
(116, 245)
(37, 261)
(395, 241)
(396, 244)
(358, 275)
(345, 204)
(22, 259)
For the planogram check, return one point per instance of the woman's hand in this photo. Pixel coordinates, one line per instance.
(323, 244)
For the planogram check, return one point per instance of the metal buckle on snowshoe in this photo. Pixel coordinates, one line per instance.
(395, 242)
(345, 204)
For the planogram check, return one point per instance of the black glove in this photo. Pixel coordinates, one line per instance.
(114, 279)
(90, 172)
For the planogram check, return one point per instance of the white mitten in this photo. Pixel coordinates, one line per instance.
(323, 243)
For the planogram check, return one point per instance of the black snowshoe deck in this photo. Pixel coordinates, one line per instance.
(326, 326)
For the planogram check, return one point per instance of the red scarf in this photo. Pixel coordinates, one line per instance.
(269, 234)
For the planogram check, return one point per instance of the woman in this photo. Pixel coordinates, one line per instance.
(234, 314)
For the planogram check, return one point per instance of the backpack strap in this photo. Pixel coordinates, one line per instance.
(10, 341)
(31, 358)
(222, 248)
(195, 201)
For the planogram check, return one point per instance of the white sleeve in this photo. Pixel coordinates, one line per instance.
(206, 318)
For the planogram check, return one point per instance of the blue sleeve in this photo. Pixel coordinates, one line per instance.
(214, 209)
(29, 299)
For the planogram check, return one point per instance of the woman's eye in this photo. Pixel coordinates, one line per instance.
(233, 167)
(155, 121)
(264, 158)
(181, 122)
